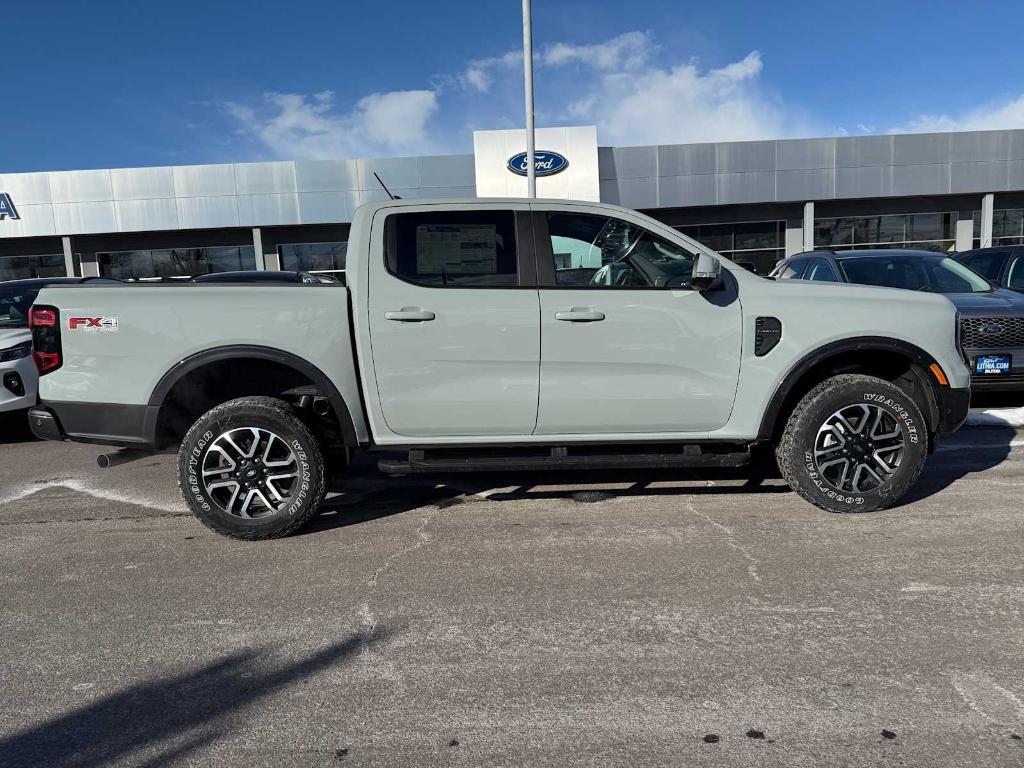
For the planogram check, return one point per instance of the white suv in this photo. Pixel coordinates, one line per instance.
(18, 377)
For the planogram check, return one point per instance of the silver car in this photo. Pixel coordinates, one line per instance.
(991, 318)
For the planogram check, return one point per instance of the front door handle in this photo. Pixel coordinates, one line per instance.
(410, 315)
(580, 315)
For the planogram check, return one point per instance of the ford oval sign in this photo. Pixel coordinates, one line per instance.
(992, 329)
(548, 163)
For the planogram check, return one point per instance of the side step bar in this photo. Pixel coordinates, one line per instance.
(560, 458)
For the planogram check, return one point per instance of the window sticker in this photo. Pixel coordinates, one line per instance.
(457, 249)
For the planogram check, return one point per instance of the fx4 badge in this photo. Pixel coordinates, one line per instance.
(108, 324)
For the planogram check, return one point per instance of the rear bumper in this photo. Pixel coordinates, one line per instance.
(123, 426)
(954, 404)
(45, 425)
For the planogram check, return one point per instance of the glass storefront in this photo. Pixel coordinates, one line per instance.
(21, 267)
(313, 257)
(1007, 227)
(175, 262)
(924, 231)
(760, 243)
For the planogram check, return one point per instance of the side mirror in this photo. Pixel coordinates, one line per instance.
(707, 273)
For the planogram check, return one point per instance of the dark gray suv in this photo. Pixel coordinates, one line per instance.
(991, 318)
(1002, 265)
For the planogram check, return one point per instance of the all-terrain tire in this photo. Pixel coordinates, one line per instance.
(795, 449)
(262, 413)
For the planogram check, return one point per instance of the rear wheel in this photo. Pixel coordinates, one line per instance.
(853, 444)
(251, 469)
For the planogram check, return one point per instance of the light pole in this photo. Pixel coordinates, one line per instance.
(531, 146)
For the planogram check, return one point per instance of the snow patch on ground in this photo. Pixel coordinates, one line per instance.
(997, 417)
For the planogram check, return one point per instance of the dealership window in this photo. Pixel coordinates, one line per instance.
(470, 249)
(1007, 227)
(21, 267)
(926, 231)
(760, 243)
(313, 257)
(175, 262)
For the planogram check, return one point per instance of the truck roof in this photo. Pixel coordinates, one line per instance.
(461, 202)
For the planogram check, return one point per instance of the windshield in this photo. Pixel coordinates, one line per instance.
(916, 273)
(14, 304)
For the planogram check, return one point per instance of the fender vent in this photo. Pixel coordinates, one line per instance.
(767, 334)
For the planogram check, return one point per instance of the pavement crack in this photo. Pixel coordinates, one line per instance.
(990, 700)
(369, 618)
(730, 539)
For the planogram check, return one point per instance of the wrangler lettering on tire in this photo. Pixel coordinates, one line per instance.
(853, 444)
(251, 469)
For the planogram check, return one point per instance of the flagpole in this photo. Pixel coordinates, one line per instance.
(531, 146)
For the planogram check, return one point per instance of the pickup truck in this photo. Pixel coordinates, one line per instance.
(466, 339)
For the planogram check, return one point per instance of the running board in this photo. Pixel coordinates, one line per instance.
(562, 458)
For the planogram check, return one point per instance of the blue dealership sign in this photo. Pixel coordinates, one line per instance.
(548, 163)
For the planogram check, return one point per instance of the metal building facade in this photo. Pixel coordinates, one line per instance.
(778, 197)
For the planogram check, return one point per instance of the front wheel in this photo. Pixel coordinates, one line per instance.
(853, 444)
(251, 469)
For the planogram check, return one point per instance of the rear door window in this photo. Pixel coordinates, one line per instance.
(459, 249)
(1015, 275)
(988, 264)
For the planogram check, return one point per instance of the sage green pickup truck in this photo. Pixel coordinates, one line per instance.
(495, 334)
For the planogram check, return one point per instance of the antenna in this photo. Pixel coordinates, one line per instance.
(385, 187)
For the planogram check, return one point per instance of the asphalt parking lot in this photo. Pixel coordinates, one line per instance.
(621, 619)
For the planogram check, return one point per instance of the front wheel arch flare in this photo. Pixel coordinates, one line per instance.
(806, 374)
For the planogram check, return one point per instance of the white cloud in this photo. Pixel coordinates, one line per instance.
(479, 73)
(618, 84)
(629, 50)
(987, 118)
(680, 104)
(306, 126)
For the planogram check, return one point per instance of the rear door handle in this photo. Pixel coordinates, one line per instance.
(580, 315)
(410, 315)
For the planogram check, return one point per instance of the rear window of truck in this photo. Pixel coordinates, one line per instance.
(475, 249)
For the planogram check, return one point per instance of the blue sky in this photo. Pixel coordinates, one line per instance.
(114, 83)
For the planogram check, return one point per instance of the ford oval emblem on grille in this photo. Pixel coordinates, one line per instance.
(992, 329)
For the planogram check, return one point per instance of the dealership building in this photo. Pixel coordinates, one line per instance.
(754, 201)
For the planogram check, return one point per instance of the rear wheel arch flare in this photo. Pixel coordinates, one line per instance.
(220, 355)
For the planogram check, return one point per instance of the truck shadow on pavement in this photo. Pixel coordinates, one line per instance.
(161, 722)
(373, 496)
(14, 429)
(365, 500)
(969, 452)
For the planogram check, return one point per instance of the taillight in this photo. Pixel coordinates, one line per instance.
(42, 317)
(46, 349)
